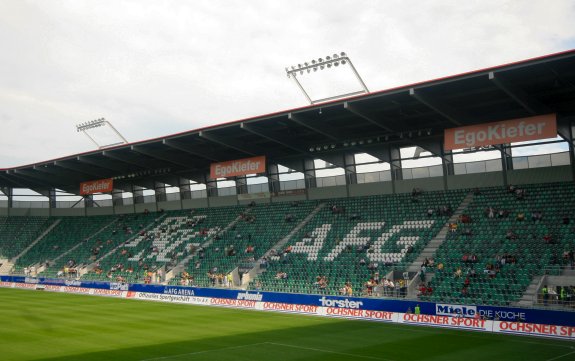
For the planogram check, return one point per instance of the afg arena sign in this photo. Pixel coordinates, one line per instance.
(507, 131)
(234, 168)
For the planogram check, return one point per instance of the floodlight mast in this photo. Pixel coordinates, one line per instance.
(96, 123)
(321, 64)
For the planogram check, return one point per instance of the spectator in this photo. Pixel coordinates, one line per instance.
(510, 235)
(545, 294)
(490, 212)
(354, 216)
(536, 216)
(520, 217)
(502, 213)
(565, 219)
(520, 194)
(453, 227)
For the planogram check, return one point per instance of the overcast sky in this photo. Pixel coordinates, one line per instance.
(154, 68)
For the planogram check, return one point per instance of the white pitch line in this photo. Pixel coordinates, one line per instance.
(205, 351)
(558, 357)
(328, 351)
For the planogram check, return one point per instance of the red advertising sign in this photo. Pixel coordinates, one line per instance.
(97, 186)
(508, 131)
(234, 168)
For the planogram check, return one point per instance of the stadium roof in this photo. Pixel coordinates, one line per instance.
(531, 87)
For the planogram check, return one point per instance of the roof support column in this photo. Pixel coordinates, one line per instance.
(88, 201)
(9, 193)
(117, 197)
(138, 195)
(211, 186)
(448, 167)
(506, 161)
(185, 189)
(566, 130)
(241, 185)
(160, 190)
(350, 171)
(273, 178)
(572, 147)
(309, 173)
(395, 165)
(52, 198)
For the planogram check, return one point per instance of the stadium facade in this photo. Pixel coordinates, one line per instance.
(172, 172)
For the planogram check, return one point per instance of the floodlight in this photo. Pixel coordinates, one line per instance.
(96, 123)
(329, 62)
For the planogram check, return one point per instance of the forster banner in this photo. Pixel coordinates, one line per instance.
(97, 186)
(234, 168)
(507, 131)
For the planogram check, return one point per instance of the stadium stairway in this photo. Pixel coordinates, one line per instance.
(5, 266)
(530, 295)
(177, 270)
(148, 227)
(430, 250)
(433, 245)
(250, 275)
(38, 239)
(55, 260)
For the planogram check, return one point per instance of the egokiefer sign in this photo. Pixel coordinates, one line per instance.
(97, 186)
(234, 168)
(508, 131)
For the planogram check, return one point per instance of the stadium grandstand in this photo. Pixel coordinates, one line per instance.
(458, 190)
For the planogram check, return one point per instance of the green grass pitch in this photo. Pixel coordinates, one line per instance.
(37, 325)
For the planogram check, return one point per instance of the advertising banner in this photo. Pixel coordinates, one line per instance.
(234, 168)
(534, 329)
(508, 131)
(97, 186)
(535, 322)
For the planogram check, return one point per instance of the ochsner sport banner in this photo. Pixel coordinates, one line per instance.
(507, 131)
(234, 168)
